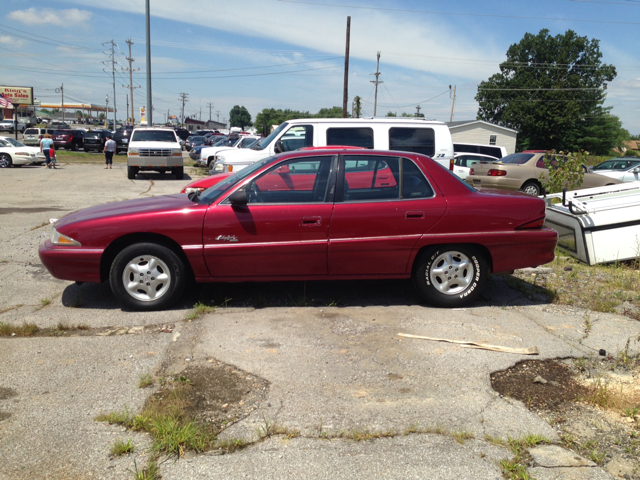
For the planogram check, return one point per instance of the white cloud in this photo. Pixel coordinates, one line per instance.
(48, 16)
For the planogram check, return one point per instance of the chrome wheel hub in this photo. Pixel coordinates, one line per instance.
(146, 278)
(451, 273)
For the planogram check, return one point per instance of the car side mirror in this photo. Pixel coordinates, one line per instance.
(636, 170)
(278, 147)
(239, 197)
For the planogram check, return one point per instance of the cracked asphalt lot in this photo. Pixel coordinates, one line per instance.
(329, 369)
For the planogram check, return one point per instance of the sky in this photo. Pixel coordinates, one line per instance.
(290, 53)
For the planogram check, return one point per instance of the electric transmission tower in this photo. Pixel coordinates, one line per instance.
(113, 63)
(130, 70)
(184, 97)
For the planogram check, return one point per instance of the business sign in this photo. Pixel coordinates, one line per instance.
(143, 116)
(18, 95)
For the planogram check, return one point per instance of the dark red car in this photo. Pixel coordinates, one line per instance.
(307, 215)
(69, 139)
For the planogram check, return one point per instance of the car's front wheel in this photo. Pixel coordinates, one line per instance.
(5, 160)
(178, 172)
(147, 276)
(131, 172)
(450, 275)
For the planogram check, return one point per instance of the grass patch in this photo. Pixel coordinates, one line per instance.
(515, 468)
(599, 288)
(145, 381)
(24, 330)
(199, 310)
(462, 435)
(150, 472)
(165, 418)
(120, 447)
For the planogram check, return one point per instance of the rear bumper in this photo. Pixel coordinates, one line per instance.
(532, 249)
(71, 263)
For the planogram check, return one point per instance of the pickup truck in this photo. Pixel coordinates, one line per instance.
(154, 149)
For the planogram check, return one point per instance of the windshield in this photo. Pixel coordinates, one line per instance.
(153, 136)
(220, 143)
(264, 143)
(15, 143)
(212, 194)
(517, 158)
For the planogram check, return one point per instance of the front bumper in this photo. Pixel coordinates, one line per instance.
(76, 264)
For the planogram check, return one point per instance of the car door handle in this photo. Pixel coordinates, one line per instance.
(414, 216)
(311, 221)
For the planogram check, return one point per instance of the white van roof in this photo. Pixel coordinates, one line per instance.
(367, 120)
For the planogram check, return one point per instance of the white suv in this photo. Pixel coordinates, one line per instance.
(154, 149)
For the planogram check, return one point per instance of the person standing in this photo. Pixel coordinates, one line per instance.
(46, 147)
(109, 150)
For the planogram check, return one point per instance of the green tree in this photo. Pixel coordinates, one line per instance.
(551, 89)
(391, 114)
(333, 112)
(239, 117)
(357, 111)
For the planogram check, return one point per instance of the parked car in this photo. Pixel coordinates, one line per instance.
(59, 125)
(69, 139)
(306, 215)
(14, 153)
(209, 156)
(405, 134)
(95, 139)
(154, 149)
(626, 169)
(194, 140)
(32, 136)
(194, 153)
(462, 162)
(10, 126)
(522, 171)
(122, 137)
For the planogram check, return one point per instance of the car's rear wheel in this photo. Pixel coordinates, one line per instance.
(147, 276)
(178, 172)
(532, 188)
(5, 160)
(450, 275)
(131, 172)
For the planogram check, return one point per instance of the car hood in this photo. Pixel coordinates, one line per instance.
(164, 145)
(32, 150)
(159, 205)
(214, 150)
(208, 181)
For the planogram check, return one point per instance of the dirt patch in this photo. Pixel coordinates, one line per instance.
(557, 383)
(594, 405)
(4, 211)
(217, 394)
(6, 393)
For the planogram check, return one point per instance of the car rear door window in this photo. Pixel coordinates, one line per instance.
(418, 140)
(355, 137)
(302, 180)
(375, 177)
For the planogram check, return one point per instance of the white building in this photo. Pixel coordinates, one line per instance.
(483, 133)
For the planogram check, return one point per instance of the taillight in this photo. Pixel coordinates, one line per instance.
(471, 172)
(496, 173)
(538, 223)
(451, 165)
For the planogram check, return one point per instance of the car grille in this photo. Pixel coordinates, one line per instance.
(154, 152)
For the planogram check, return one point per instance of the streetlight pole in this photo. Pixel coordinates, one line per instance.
(149, 105)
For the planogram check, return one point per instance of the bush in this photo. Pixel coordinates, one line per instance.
(565, 170)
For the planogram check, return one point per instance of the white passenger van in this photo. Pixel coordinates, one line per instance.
(409, 135)
(492, 150)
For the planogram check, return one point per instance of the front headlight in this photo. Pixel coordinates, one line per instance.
(133, 150)
(59, 239)
(218, 167)
(24, 154)
(193, 189)
(176, 151)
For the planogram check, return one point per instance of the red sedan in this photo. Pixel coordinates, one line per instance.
(307, 215)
